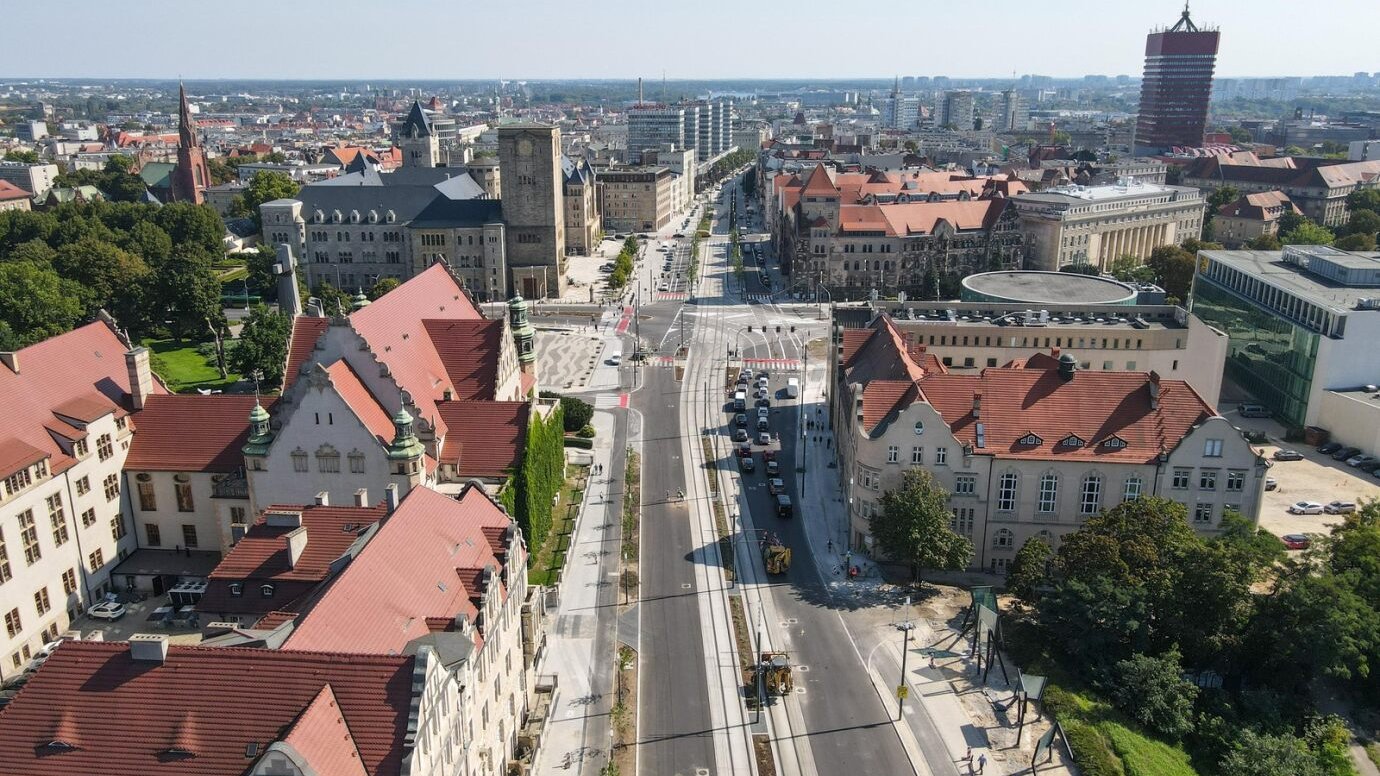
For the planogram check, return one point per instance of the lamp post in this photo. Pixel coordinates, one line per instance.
(901, 689)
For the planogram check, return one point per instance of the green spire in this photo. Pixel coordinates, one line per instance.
(405, 444)
(523, 333)
(360, 301)
(259, 433)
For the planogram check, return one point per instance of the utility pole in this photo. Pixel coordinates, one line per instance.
(901, 689)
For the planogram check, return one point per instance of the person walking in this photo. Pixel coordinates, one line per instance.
(982, 762)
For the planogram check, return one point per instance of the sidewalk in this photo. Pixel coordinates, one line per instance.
(577, 739)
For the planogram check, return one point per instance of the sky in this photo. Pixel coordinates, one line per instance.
(545, 39)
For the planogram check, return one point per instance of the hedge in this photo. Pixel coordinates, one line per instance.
(579, 442)
(1090, 750)
(538, 479)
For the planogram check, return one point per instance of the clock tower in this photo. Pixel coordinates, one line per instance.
(529, 160)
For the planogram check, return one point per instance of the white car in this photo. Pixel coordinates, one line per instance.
(110, 610)
(1306, 508)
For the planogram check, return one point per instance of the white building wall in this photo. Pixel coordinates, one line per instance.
(1345, 363)
(1352, 418)
(211, 517)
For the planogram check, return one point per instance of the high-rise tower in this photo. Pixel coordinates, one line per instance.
(1177, 85)
(529, 161)
(191, 176)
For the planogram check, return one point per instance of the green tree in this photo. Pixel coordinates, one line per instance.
(1356, 242)
(1363, 222)
(383, 286)
(1262, 754)
(1240, 135)
(1174, 267)
(1291, 220)
(1265, 242)
(36, 302)
(576, 411)
(262, 345)
(195, 230)
(1315, 624)
(259, 261)
(1364, 199)
(34, 251)
(913, 526)
(146, 240)
(21, 155)
(1130, 269)
(187, 295)
(1028, 570)
(1307, 233)
(110, 276)
(1081, 269)
(266, 186)
(1224, 195)
(1153, 691)
(333, 300)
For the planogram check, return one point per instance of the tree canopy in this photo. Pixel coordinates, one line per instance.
(1174, 267)
(262, 346)
(266, 186)
(913, 526)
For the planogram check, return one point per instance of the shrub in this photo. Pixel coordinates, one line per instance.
(1153, 691)
(585, 433)
(1090, 749)
(577, 442)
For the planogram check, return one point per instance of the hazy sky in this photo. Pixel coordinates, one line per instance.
(444, 39)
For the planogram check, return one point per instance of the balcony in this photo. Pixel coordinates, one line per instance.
(232, 486)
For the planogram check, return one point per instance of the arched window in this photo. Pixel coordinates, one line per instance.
(1003, 539)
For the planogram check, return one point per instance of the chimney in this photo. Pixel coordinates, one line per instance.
(1067, 366)
(362, 497)
(1154, 385)
(977, 404)
(1054, 351)
(283, 518)
(10, 359)
(140, 376)
(148, 648)
(390, 497)
(323, 499)
(296, 543)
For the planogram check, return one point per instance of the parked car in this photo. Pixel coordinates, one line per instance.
(1328, 448)
(108, 610)
(1340, 507)
(679, 236)
(1287, 455)
(1253, 411)
(1296, 541)
(1345, 453)
(1357, 460)
(1271, 483)
(1368, 466)
(1306, 508)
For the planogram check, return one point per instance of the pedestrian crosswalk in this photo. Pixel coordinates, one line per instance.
(760, 299)
(608, 401)
(664, 361)
(778, 364)
(671, 296)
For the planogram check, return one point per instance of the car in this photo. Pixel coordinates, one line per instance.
(763, 412)
(1357, 460)
(679, 236)
(762, 375)
(605, 267)
(769, 455)
(763, 424)
(747, 465)
(760, 393)
(762, 383)
(1345, 453)
(1287, 455)
(664, 287)
(1340, 507)
(1252, 411)
(1271, 483)
(740, 435)
(763, 438)
(1329, 448)
(774, 468)
(615, 359)
(775, 485)
(744, 450)
(1305, 508)
(108, 610)
(740, 420)
(1296, 541)
(764, 402)
(1368, 466)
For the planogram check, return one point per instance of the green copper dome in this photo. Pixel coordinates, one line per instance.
(360, 301)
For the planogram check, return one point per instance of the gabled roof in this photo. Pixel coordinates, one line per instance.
(486, 438)
(469, 352)
(820, 182)
(323, 738)
(305, 332)
(406, 574)
(361, 400)
(416, 124)
(191, 433)
(9, 191)
(214, 702)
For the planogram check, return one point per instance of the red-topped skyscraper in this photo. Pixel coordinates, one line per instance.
(1177, 85)
(191, 176)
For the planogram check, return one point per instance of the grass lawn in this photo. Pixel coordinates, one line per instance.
(183, 369)
(1142, 756)
(544, 565)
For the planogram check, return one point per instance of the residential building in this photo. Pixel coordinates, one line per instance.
(1099, 224)
(533, 210)
(1013, 115)
(1301, 322)
(1317, 187)
(1249, 217)
(636, 198)
(750, 137)
(13, 198)
(1028, 449)
(649, 126)
(30, 130)
(955, 110)
(64, 509)
(970, 335)
(191, 176)
(708, 128)
(900, 111)
(1176, 87)
(37, 179)
(580, 194)
(683, 164)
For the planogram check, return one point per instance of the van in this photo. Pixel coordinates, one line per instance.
(740, 401)
(783, 506)
(793, 388)
(1252, 411)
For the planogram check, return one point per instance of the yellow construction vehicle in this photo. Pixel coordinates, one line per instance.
(775, 671)
(775, 555)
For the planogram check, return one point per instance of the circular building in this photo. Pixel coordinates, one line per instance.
(1038, 288)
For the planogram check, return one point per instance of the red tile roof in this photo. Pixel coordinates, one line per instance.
(819, 183)
(323, 738)
(405, 574)
(486, 437)
(362, 402)
(86, 363)
(191, 433)
(305, 332)
(899, 220)
(9, 191)
(261, 556)
(469, 352)
(214, 702)
(84, 409)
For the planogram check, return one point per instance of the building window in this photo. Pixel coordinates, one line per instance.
(183, 486)
(112, 487)
(236, 589)
(893, 454)
(58, 517)
(148, 500)
(917, 455)
(117, 527)
(1182, 477)
(962, 522)
(5, 573)
(41, 602)
(1236, 481)
(28, 534)
(88, 517)
(189, 535)
(1207, 479)
(299, 460)
(153, 535)
(1091, 500)
(965, 484)
(104, 447)
(1049, 493)
(17, 482)
(266, 591)
(1134, 485)
(1030, 440)
(69, 581)
(1006, 492)
(83, 486)
(13, 625)
(1202, 513)
(941, 455)
(1213, 449)
(1003, 539)
(80, 448)
(237, 515)
(96, 559)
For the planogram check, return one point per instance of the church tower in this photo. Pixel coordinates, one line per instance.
(419, 143)
(191, 176)
(529, 161)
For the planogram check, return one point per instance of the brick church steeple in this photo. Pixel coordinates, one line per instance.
(191, 176)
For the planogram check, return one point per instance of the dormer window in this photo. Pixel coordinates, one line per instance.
(354, 216)
(236, 589)
(1114, 443)
(337, 217)
(318, 217)
(373, 216)
(266, 591)
(1072, 441)
(1030, 440)
(390, 217)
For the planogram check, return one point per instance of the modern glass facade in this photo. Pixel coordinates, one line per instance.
(1269, 356)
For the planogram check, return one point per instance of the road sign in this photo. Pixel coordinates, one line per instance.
(902, 691)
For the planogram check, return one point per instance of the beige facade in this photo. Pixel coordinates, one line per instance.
(1099, 224)
(636, 199)
(582, 222)
(476, 254)
(530, 158)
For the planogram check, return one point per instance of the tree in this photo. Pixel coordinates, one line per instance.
(913, 526)
(576, 412)
(266, 186)
(1224, 195)
(146, 240)
(1356, 242)
(1028, 569)
(195, 230)
(1290, 220)
(1307, 233)
(333, 300)
(1153, 691)
(1265, 242)
(1174, 267)
(1363, 222)
(1240, 135)
(1130, 269)
(262, 345)
(1364, 199)
(1262, 754)
(1081, 269)
(34, 252)
(112, 279)
(21, 155)
(36, 302)
(186, 293)
(383, 286)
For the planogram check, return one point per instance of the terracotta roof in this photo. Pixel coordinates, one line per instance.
(9, 191)
(1260, 206)
(486, 437)
(323, 738)
(469, 352)
(212, 702)
(405, 574)
(86, 363)
(191, 433)
(262, 556)
(819, 182)
(305, 332)
(16, 454)
(364, 404)
(922, 217)
(853, 339)
(85, 409)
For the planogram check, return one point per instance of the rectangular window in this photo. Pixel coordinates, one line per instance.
(961, 522)
(1182, 478)
(83, 486)
(13, 625)
(941, 455)
(1049, 493)
(1133, 489)
(329, 464)
(237, 515)
(104, 447)
(1006, 493)
(5, 573)
(96, 559)
(893, 454)
(69, 581)
(1202, 513)
(41, 602)
(17, 482)
(28, 534)
(184, 497)
(148, 500)
(1091, 500)
(917, 455)
(1207, 479)
(117, 527)
(189, 535)
(1236, 481)
(1213, 449)
(88, 517)
(112, 487)
(80, 448)
(965, 484)
(153, 536)
(57, 516)
(299, 462)
(356, 463)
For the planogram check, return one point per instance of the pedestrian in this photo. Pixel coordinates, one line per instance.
(982, 763)
(831, 546)
(968, 758)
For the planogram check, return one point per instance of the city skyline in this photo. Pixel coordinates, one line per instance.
(514, 36)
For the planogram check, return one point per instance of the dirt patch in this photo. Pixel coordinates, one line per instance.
(745, 660)
(761, 747)
(623, 715)
(632, 506)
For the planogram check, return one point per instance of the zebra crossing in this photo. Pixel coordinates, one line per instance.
(760, 299)
(608, 401)
(776, 364)
(672, 296)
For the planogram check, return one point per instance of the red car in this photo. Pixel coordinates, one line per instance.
(769, 455)
(1296, 541)
(745, 451)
